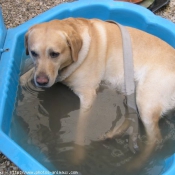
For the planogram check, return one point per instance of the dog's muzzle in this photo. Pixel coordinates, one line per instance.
(41, 80)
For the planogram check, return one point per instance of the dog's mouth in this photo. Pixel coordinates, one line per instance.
(60, 74)
(59, 77)
(41, 86)
(60, 71)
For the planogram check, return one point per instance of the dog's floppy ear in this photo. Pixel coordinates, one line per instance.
(75, 42)
(26, 38)
(26, 43)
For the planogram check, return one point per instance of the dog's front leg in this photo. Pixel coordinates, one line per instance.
(87, 97)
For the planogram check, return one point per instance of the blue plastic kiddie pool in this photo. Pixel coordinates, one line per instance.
(11, 55)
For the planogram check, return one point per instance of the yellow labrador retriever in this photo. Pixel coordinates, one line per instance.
(82, 53)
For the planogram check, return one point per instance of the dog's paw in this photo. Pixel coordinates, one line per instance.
(107, 136)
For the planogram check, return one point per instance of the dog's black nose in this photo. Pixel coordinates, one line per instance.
(42, 79)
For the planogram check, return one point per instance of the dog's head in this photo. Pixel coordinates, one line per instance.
(53, 46)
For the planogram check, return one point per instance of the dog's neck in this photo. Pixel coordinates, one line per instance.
(67, 71)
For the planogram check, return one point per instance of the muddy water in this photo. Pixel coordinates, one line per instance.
(44, 124)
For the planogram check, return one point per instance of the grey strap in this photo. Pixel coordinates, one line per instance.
(129, 82)
(128, 61)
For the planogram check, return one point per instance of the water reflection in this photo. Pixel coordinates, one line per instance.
(45, 121)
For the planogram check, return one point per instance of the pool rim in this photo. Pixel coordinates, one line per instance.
(7, 59)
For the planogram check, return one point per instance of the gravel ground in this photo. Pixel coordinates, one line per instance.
(16, 12)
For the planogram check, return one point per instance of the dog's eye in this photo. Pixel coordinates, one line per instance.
(34, 54)
(54, 54)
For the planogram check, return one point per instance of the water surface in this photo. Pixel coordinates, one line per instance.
(44, 124)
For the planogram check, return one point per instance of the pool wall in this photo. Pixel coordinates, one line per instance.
(12, 48)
